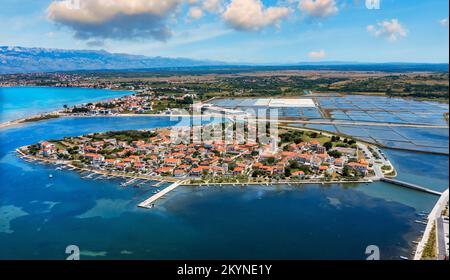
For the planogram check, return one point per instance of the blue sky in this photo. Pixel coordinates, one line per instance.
(268, 31)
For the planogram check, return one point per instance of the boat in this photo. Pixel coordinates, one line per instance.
(50, 175)
(404, 258)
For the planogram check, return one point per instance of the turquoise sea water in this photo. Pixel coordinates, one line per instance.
(20, 102)
(40, 217)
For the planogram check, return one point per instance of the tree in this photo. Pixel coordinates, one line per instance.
(346, 171)
(328, 145)
(287, 172)
(335, 154)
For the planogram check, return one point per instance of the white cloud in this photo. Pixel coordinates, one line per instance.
(212, 6)
(317, 55)
(195, 13)
(318, 8)
(251, 15)
(444, 22)
(116, 19)
(390, 29)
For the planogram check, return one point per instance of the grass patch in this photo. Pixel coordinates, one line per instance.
(430, 252)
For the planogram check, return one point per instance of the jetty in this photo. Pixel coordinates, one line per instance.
(148, 203)
(410, 186)
(158, 184)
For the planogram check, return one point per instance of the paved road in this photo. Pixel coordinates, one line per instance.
(355, 123)
(441, 238)
(435, 213)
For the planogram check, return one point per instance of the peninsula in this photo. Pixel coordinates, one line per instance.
(299, 156)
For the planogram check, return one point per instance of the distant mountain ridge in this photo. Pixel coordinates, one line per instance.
(30, 60)
(27, 60)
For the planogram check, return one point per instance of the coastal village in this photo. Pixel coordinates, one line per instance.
(139, 103)
(300, 155)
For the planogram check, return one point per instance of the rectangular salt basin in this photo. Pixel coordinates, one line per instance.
(296, 103)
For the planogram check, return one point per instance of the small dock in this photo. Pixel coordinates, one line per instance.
(410, 186)
(158, 184)
(148, 203)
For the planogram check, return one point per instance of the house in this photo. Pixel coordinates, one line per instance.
(298, 174)
(265, 156)
(218, 170)
(46, 152)
(323, 168)
(304, 158)
(339, 162)
(321, 149)
(111, 141)
(238, 171)
(172, 161)
(346, 151)
(46, 145)
(196, 171)
(165, 171)
(63, 152)
(179, 173)
(110, 162)
(314, 144)
(316, 162)
(257, 165)
(362, 168)
(95, 158)
(121, 165)
(289, 155)
(139, 166)
(267, 169)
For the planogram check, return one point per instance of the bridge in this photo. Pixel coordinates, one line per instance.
(410, 186)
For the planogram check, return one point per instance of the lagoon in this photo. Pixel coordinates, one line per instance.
(41, 216)
(22, 102)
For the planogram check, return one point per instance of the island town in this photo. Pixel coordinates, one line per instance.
(299, 156)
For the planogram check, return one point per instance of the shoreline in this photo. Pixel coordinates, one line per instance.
(58, 112)
(26, 120)
(174, 180)
(99, 172)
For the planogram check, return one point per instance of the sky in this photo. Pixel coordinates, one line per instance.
(251, 31)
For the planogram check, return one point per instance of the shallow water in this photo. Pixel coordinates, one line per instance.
(20, 102)
(44, 215)
(40, 217)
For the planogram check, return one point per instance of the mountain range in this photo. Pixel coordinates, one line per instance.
(30, 60)
(26, 60)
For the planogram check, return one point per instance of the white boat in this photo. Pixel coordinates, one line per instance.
(50, 175)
